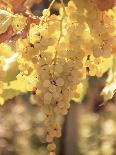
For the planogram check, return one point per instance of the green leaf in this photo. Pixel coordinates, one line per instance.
(5, 20)
(110, 88)
(106, 64)
(1, 101)
(9, 94)
(5, 50)
(12, 72)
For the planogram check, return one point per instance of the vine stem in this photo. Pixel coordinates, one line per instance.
(53, 1)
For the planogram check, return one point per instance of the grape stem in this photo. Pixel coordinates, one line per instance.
(61, 33)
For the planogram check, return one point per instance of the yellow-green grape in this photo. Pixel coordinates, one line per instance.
(18, 23)
(58, 68)
(26, 68)
(97, 51)
(46, 12)
(51, 147)
(46, 83)
(34, 34)
(47, 98)
(52, 153)
(52, 88)
(60, 81)
(49, 138)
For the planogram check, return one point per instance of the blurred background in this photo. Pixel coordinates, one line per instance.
(88, 129)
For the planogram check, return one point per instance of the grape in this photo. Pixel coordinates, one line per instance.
(47, 98)
(46, 13)
(60, 82)
(52, 153)
(18, 23)
(56, 95)
(51, 147)
(58, 68)
(46, 83)
(52, 88)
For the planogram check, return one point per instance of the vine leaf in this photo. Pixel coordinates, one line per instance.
(110, 88)
(105, 5)
(5, 20)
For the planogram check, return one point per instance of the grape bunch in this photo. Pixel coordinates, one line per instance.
(60, 52)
